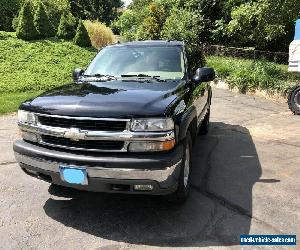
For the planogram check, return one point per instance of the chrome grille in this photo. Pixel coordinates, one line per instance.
(83, 124)
(66, 124)
(88, 133)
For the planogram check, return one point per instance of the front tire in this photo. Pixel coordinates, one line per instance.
(183, 189)
(294, 100)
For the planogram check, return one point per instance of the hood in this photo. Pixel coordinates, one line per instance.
(117, 99)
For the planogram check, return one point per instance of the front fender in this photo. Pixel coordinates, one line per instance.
(185, 121)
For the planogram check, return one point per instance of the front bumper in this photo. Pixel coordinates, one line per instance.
(106, 172)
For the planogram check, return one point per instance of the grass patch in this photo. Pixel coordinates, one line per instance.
(39, 65)
(29, 68)
(9, 102)
(251, 75)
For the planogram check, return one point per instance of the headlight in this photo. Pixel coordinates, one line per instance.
(151, 146)
(152, 125)
(26, 117)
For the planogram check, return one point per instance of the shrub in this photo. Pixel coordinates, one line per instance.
(42, 22)
(8, 10)
(151, 26)
(128, 24)
(54, 9)
(183, 25)
(99, 34)
(82, 38)
(38, 66)
(103, 10)
(251, 75)
(195, 56)
(67, 26)
(224, 66)
(15, 23)
(6, 35)
(26, 29)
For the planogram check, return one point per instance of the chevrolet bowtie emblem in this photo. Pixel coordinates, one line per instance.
(75, 134)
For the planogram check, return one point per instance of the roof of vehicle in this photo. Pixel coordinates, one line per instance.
(152, 43)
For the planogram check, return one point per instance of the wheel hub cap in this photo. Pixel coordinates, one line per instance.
(297, 99)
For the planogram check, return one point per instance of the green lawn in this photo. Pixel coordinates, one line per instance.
(9, 102)
(29, 68)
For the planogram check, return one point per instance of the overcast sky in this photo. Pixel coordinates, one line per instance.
(127, 2)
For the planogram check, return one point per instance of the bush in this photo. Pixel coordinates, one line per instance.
(67, 26)
(251, 75)
(38, 66)
(82, 38)
(128, 24)
(15, 23)
(42, 22)
(6, 36)
(152, 24)
(103, 10)
(224, 66)
(8, 10)
(195, 57)
(183, 25)
(99, 34)
(54, 9)
(26, 29)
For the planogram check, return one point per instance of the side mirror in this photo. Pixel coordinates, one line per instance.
(204, 74)
(77, 73)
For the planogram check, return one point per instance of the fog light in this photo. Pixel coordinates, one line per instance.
(29, 137)
(143, 187)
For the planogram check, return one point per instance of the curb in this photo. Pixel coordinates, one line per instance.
(277, 97)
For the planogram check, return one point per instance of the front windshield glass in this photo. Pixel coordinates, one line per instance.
(164, 62)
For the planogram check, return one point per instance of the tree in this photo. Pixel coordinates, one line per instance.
(152, 25)
(186, 25)
(180, 15)
(82, 38)
(139, 4)
(8, 10)
(128, 23)
(102, 10)
(26, 29)
(42, 22)
(67, 26)
(267, 24)
(54, 9)
(264, 24)
(183, 25)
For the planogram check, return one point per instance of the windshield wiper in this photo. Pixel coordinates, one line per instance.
(100, 76)
(157, 78)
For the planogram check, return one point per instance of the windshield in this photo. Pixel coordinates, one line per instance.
(164, 62)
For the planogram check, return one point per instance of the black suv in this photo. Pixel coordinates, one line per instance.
(127, 123)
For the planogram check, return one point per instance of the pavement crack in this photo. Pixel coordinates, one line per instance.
(286, 143)
(234, 207)
(203, 189)
(225, 203)
(251, 105)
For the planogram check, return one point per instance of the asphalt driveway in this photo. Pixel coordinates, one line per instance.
(245, 181)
